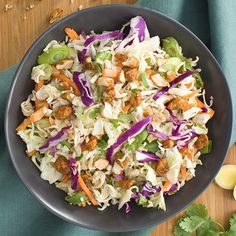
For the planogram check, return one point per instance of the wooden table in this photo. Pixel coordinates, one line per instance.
(19, 27)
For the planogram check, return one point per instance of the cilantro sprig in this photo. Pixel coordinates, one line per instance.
(198, 223)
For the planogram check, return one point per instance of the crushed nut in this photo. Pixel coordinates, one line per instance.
(170, 76)
(168, 143)
(162, 167)
(186, 152)
(147, 112)
(62, 165)
(132, 74)
(55, 15)
(136, 99)
(202, 141)
(120, 58)
(179, 103)
(127, 183)
(64, 64)
(90, 145)
(106, 82)
(63, 112)
(109, 95)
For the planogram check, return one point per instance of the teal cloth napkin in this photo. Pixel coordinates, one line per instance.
(213, 21)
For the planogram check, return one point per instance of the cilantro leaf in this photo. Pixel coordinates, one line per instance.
(197, 210)
(178, 231)
(191, 223)
(232, 223)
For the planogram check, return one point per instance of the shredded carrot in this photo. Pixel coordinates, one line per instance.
(61, 77)
(51, 121)
(183, 171)
(200, 104)
(126, 108)
(30, 154)
(37, 115)
(167, 185)
(86, 190)
(71, 33)
(38, 86)
(114, 73)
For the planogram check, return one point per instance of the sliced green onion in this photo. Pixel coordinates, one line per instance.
(138, 142)
(115, 123)
(206, 149)
(103, 56)
(93, 114)
(144, 79)
(53, 55)
(171, 46)
(152, 147)
(125, 118)
(66, 143)
(172, 64)
(77, 198)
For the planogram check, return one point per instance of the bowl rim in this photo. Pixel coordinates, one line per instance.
(12, 86)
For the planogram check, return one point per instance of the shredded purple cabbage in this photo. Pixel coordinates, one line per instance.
(73, 172)
(184, 139)
(127, 207)
(112, 35)
(83, 85)
(156, 133)
(82, 55)
(172, 189)
(204, 109)
(119, 177)
(144, 156)
(172, 83)
(54, 140)
(138, 29)
(148, 189)
(130, 133)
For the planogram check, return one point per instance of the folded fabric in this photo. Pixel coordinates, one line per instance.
(214, 22)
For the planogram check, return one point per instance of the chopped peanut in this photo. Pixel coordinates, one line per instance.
(120, 58)
(64, 64)
(106, 82)
(67, 96)
(202, 141)
(179, 103)
(147, 112)
(109, 95)
(101, 164)
(127, 183)
(90, 145)
(132, 74)
(61, 165)
(136, 99)
(170, 76)
(63, 112)
(186, 152)
(88, 64)
(168, 143)
(30, 154)
(132, 62)
(120, 162)
(162, 167)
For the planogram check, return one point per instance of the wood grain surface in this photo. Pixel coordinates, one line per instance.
(21, 25)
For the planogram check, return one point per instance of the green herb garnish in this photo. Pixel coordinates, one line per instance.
(197, 222)
(77, 198)
(207, 149)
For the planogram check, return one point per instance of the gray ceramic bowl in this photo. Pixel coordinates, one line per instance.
(112, 17)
